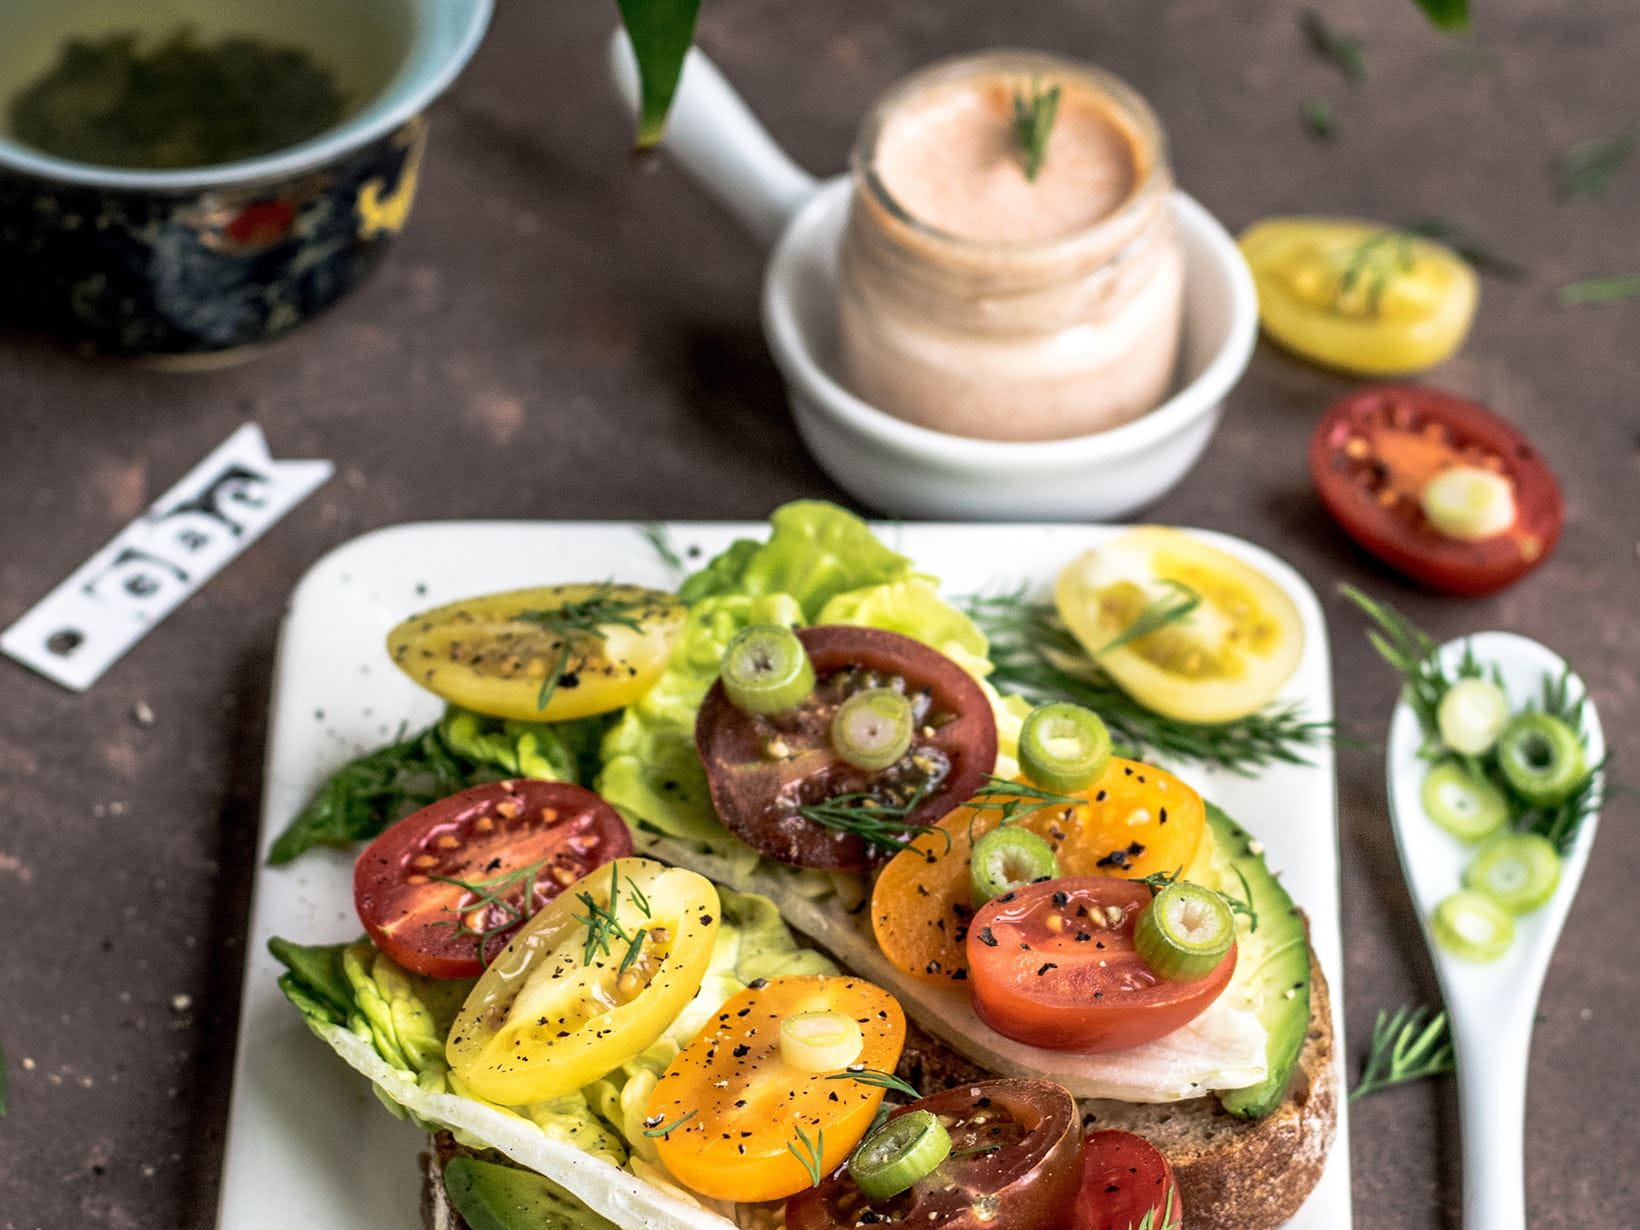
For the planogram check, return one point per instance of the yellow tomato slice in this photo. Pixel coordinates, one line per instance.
(565, 1004)
(1358, 296)
(603, 646)
(1227, 658)
(1135, 820)
(738, 1106)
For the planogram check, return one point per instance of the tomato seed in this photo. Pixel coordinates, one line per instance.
(424, 861)
(483, 825)
(507, 808)
(415, 879)
(549, 815)
(448, 842)
(659, 934)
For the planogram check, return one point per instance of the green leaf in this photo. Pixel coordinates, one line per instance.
(661, 32)
(1452, 16)
(1344, 50)
(316, 975)
(1320, 118)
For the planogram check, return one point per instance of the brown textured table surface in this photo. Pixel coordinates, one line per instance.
(566, 332)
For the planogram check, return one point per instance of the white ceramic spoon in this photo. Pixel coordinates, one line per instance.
(1491, 1006)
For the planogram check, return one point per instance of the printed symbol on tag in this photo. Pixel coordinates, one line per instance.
(182, 540)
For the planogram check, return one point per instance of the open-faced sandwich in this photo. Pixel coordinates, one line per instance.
(758, 905)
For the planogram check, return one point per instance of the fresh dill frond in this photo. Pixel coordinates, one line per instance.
(1036, 657)
(872, 818)
(662, 1129)
(878, 1080)
(1158, 613)
(811, 1153)
(1408, 1045)
(575, 624)
(659, 539)
(1011, 799)
(1373, 266)
(493, 898)
(1034, 116)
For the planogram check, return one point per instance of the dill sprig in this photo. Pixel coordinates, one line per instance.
(659, 539)
(1158, 880)
(1319, 116)
(1172, 1215)
(1037, 658)
(603, 924)
(1408, 1045)
(1158, 613)
(1011, 799)
(576, 623)
(811, 1153)
(878, 1080)
(872, 818)
(492, 896)
(1344, 50)
(1034, 116)
(660, 1128)
(1587, 168)
(1373, 266)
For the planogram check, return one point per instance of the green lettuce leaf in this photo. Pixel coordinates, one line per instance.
(914, 608)
(816, 551)
(651, 772)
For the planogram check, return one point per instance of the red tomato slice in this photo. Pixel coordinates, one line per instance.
(1053, 964)
(1371, 456)
(762, 769)
(1125, 1177)
(507, 837)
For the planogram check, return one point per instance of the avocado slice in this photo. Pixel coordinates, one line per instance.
(491, 1196)
(1278, 953)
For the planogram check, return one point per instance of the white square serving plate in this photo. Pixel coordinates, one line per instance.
(308, 1143)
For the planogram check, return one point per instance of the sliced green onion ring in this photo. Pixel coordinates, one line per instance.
(1006, 858)
(1542, 758)
(1184, 932)
(1469, 503)
(820, 1041)
(1466, 806)
(906, 1148)
(872, 729)
(766, 670)
(1472, 926)
(1064, 747)
(1472, 715)
(1519, 871)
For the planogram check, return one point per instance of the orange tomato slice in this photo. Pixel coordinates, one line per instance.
(739, 1106)
(1134, 821)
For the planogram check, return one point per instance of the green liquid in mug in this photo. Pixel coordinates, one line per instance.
(181, 102)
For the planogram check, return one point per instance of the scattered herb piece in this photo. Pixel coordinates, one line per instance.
(491, 896)
(1344, 50)
(1155, 615)
(1451, 16)
(1587, 168)
(1156, 881)
(1244, 906)
(663, 1130)
(811, 1153)
(1034, 116)
(659, 539)
(1461, 241)
(575, 623)
(879, 1080)
(1036, 657)
(1013, 799)
(633, 949)
(871, 818)
(1611, 289)
(1375, 264)
(603, 924)
(1172, 1215)
(1409, 1045)
(1320, 117)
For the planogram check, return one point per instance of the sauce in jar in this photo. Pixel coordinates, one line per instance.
(982, 303)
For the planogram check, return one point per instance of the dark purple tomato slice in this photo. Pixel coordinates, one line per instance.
(509, 838)
(1015, 1164)
(763, 771)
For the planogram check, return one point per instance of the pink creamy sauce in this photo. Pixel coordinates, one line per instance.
(950, 158)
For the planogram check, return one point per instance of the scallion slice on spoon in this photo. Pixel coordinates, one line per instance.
(1466, 806)
(1519, 871)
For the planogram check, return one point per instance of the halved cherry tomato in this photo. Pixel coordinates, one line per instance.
(1053, 964)
(1137, 819)
(1226, 657)
(1359, 296)
(738, 1104)
(1374, 452)
(566, 1003)
(505, 838)
(763, 769)
(1015, 1164)
(603, 646)
(1125, 1178)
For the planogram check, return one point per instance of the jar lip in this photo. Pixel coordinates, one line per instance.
(1155, 180)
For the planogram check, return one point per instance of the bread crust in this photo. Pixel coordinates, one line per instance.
(1239, 1175)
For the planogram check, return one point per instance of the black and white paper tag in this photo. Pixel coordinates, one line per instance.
(221, 506)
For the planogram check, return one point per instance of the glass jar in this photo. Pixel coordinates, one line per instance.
(980, 303)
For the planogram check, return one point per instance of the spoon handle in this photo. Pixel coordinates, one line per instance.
(1492, 1056)
(714, 134)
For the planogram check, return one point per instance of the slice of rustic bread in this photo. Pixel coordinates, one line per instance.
(1236, 1175)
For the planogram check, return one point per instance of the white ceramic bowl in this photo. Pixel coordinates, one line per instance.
(898, 467)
